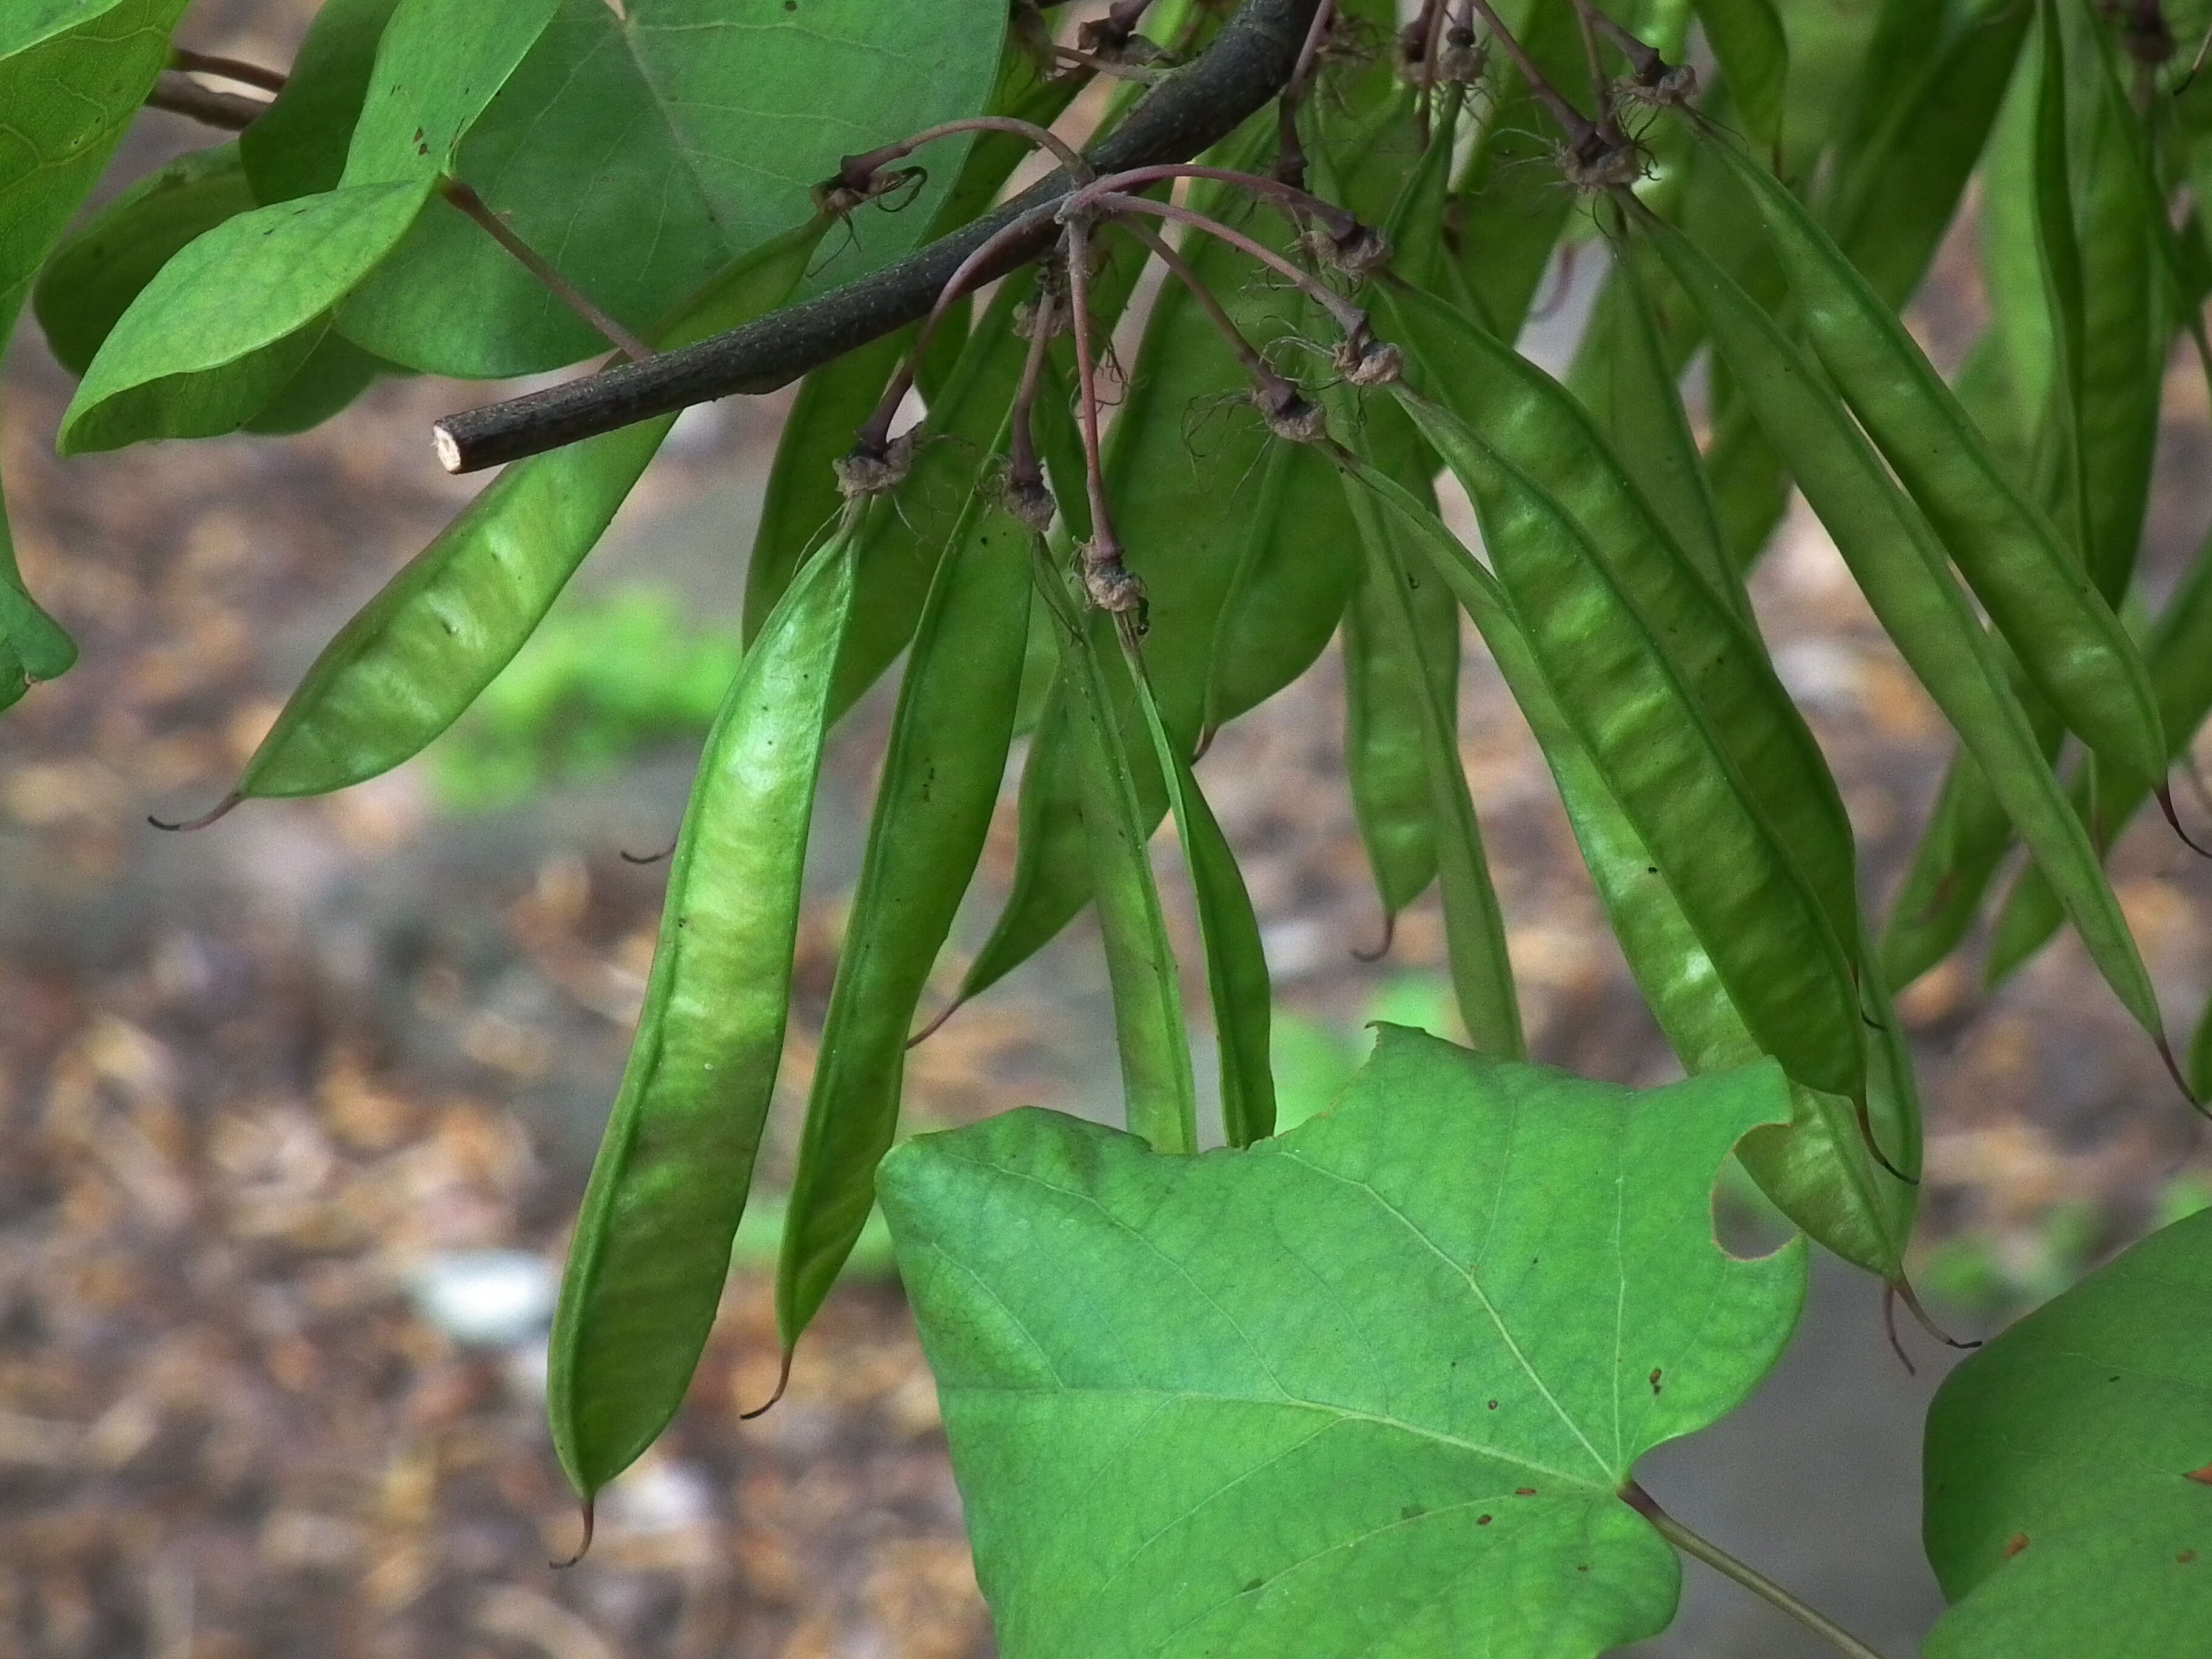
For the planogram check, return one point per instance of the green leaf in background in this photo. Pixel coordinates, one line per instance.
(206, 346)
(91, 279)
(1747, 37)
(298, 145)
(32, 645)
(2068, 1469)
(333, 375)
(222, 329)
(436, 67)
(72, 75)
(1342, 1392)
(640, 152)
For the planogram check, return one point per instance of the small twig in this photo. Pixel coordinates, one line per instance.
(1349, 317)
(1578, 127)
(1027, 497)
(1432, 32)
(1107, 583)
(1757, 1582)
(1289, 150)
(1279, 402)
(875, 432)
(227, 68)
(1598, 79)
(1296, 203)
(1254, 365)
(462, 196)
(1644, 59)
(180, 94)
(1248, 62)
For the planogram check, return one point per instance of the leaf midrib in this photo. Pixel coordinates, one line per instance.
(1346, 1414)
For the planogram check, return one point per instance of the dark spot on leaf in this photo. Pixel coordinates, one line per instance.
(2014, 1545)
(2202, 1477)
(1254, 1585)
(1493, 1405)
(418, 134)
(1481, 1520)
(791, 5)
(1581, 1566)
(2186, 1557)
(1411, 1511)
(1650, 869)
(1524, 1491)
(1655, 1379)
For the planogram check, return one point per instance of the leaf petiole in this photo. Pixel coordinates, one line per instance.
(462, 196)
(1749, 1577)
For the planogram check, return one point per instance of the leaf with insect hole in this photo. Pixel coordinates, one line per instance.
(1341, 1393)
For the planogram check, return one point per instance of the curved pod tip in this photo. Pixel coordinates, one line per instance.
(930, 1030)
(1382, 946)
(591, 1506)
(2180, 1080)
(221, 809)
(782, 1381)
(1899, 1289)
(2173, 821)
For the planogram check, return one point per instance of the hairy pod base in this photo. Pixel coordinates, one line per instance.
(1608, 167)
(1355, 254)
(866, 473)
(1030, 504)
(1370, 363)
(1293, 419)
(1024, 322)
(1677, 89)
(1108, 583)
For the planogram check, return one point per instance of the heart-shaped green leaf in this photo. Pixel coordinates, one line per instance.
(1371, 1387)
(2068, 1469)
(642, 147)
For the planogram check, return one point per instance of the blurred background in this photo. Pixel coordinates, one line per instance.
(295, 1113)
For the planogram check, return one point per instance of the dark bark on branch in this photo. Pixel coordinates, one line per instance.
(1248, 63)
(180, 94)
